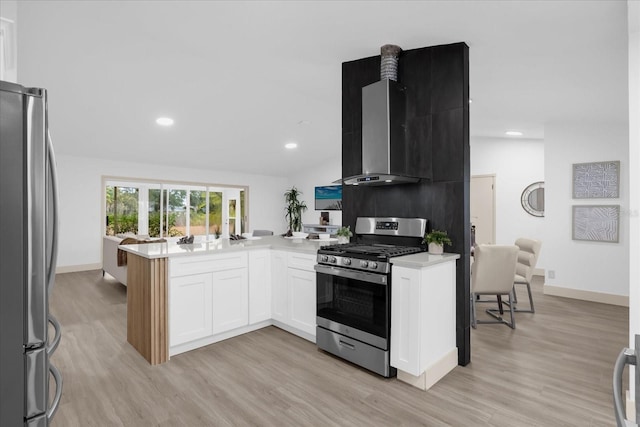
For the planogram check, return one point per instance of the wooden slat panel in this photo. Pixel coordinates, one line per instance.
(147, 323)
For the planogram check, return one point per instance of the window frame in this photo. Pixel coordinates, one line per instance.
(144, 185)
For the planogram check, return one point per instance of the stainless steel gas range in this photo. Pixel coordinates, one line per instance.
(353, 313)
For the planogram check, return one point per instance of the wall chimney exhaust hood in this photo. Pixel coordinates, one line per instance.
(383, 127)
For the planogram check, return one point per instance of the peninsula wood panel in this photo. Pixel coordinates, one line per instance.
(147, 311)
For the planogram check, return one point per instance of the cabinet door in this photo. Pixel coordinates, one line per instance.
(230, 299)
(279, 296)
(190, 308)
(259, 286)
(302, 299)
(405, 320)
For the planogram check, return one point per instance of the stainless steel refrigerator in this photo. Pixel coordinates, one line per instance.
(28, 251)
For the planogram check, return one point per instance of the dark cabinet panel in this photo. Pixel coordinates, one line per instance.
(418, 147)
(436, 148)
(414, 72)
(356, 75)
(448, 149)
(351, 153)
(449, 73)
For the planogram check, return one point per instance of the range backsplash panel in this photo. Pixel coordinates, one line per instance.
(437, 149)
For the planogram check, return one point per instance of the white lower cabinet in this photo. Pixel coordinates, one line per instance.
(214, 297)
(230, 300)
(423, 322)
(302, 299)
(279, 294)
(259, 286)
(190, 308)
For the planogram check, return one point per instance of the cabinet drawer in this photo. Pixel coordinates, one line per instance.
(207, 263)
(301, 261)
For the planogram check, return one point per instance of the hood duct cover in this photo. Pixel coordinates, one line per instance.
(383, 133)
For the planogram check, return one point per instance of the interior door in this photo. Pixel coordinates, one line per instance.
(483, 207)
(231, 223)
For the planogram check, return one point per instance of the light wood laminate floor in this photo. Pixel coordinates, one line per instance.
(553, 370)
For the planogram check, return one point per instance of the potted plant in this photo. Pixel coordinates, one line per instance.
(436, 240)
(344, 233)
(294, 209)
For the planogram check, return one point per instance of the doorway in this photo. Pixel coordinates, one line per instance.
(482, 204)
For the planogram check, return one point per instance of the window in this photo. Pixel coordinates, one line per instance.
(122, 210)
(173, 209)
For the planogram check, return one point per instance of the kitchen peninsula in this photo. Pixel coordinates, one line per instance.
(182, 297)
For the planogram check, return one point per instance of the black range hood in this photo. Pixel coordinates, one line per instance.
(383, 127)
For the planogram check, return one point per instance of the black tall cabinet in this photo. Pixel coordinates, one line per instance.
(437, 148)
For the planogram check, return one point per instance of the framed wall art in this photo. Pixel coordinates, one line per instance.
(596, 223)
(599, 180)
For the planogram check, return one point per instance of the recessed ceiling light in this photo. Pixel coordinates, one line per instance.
(513, 133)
(290, 145)
(164, 121)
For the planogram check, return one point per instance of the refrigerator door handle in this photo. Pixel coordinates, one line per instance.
(626, 357)
(56, 400)
(51, 273)
(56, 340)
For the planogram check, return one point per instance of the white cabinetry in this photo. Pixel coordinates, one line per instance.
(259, 286)
(302, 299)
(230, 299)
(209, 295)
(301, 284)
(280, 300)
(294, 292)
(191, 308)
(423, 322)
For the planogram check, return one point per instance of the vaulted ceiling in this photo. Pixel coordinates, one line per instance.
(241, 79)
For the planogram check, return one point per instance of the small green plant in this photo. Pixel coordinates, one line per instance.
(294, 209)
(438, 237)
(344, 231)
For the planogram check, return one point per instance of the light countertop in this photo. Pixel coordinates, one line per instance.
(211, 247)
(422, 259)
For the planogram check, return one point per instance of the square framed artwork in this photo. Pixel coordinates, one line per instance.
(596, 223)
(599, 180)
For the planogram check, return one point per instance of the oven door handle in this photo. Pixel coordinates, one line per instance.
(378, 279)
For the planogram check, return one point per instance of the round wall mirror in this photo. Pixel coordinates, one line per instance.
(533, 199)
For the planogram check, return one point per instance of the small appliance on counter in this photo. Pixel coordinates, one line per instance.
(353, 289)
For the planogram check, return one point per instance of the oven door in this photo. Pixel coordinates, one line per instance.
(354, 303)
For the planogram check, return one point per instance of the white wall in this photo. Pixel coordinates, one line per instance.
(9, 48)
(579, 265)
(516, 164)
(81, 215)
(307, 179)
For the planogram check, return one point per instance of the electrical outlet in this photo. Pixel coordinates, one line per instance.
(552, 274)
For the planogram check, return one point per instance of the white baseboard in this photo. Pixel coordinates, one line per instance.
(81, 267)
(433, 373)
(581, 294)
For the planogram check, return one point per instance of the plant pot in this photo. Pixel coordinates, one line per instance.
(343, 239)
(435, 249)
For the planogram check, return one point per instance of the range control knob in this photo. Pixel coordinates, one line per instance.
(346, 261)
(364, 264)
(373, 265)
(332, 259)
(323, 258)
